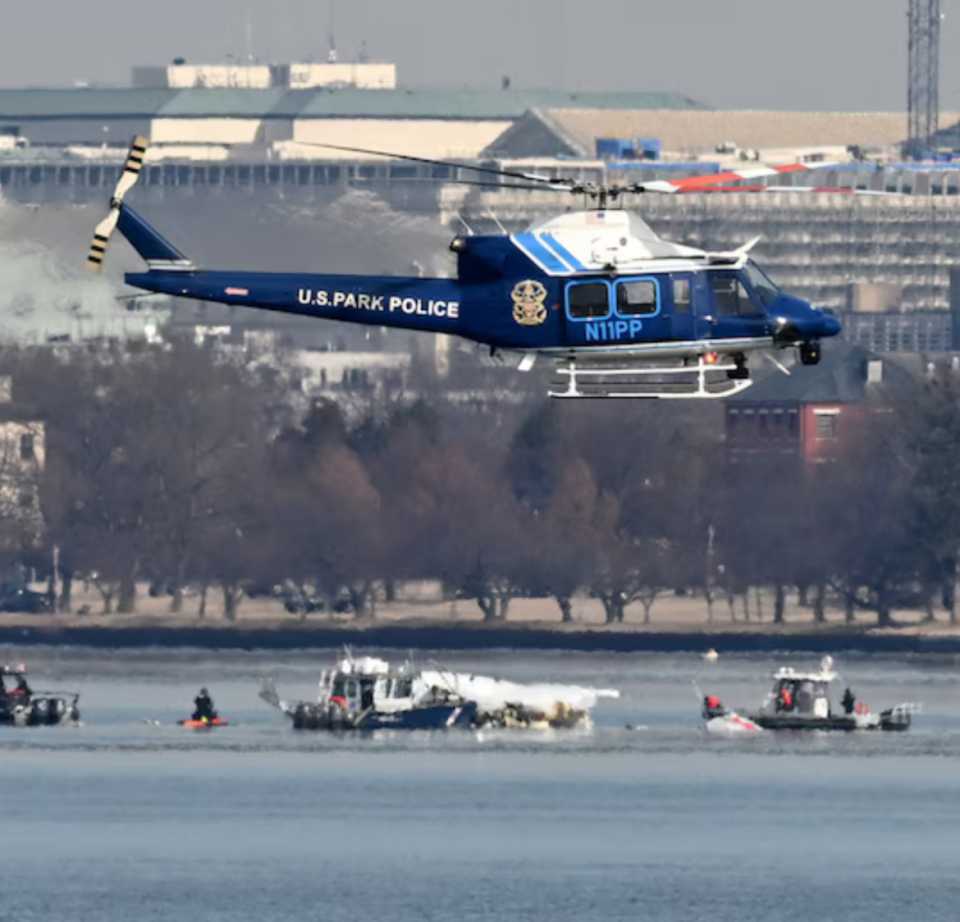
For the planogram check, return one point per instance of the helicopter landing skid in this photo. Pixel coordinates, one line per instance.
(650, 382)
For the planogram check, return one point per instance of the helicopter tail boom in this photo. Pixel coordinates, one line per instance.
(411, 303)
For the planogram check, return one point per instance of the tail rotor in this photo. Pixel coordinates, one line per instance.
(128, 179)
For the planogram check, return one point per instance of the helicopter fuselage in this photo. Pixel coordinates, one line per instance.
(530, 293)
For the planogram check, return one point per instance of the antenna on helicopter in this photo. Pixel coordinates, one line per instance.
(496, 220)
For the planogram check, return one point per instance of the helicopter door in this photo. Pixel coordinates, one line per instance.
(682, 315)
(702, 321)
(734, 313)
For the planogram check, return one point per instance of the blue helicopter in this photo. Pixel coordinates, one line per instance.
(622, 312)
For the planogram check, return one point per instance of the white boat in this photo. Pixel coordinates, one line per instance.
(21, 706)
(801, 700)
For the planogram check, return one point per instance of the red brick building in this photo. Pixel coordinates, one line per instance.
(808, 414)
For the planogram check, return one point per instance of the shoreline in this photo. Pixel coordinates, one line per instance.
(433, 636)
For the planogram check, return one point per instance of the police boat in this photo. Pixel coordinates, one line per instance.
(21, 706)
(801, 700)
(367, 693)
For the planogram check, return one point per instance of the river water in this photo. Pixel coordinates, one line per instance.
(130, 817)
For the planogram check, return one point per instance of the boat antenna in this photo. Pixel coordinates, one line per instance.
(446, 675)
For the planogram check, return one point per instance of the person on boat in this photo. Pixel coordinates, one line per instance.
(23, 691)
(849, 701)
(203, 707)
(712, 707)
(785, 701)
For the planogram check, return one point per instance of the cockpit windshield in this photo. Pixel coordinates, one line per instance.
(765, 291)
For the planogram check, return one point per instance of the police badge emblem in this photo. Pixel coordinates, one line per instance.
(528, 308)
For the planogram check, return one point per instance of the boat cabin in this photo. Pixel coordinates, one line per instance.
(369, 683)
(802, 694)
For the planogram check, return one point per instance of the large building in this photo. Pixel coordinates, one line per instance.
(260, 116)
(573, 131)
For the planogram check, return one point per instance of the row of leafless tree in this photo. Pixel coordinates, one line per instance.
(179, 468)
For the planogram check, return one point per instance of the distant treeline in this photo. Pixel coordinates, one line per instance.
(178, 467)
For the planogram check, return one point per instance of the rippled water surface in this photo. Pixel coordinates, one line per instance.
(131, 817)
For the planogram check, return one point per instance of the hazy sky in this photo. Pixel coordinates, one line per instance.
(819, 54)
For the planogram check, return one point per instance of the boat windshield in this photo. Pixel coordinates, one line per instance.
(764, 289)
(400, 687)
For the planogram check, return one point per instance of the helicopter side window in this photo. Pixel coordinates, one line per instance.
(588, 300)
(636, 297)
(765, 291)
(731, 298)
(681, 296)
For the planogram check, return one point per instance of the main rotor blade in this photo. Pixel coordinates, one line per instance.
(829, 190)
(836, 190)
(721, 182)
(465, 182)
(512, 174)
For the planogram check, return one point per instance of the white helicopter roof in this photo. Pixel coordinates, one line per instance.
(595, 241)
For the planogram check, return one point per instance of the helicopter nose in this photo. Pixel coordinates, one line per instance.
(830, 323)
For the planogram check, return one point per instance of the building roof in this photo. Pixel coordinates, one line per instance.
(948, 136)
(27, 104)
(841, 377)
(697, 129)
(16, 105)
